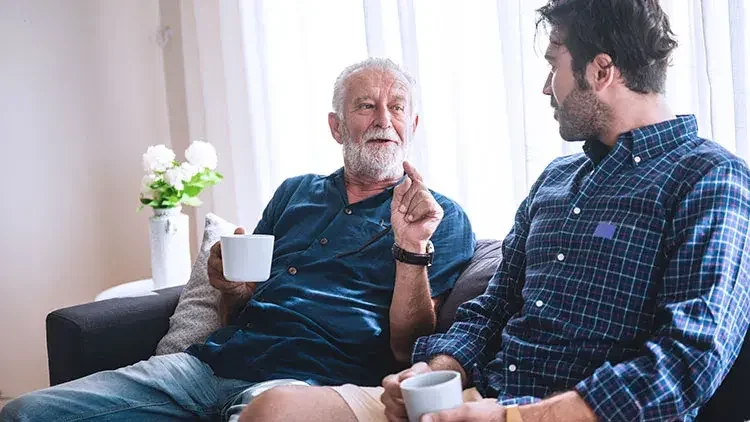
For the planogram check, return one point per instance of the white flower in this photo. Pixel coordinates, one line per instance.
(146, 183)
(157, 158)
(173, 176)
(177, 176)
(202, 155)
(188, 171)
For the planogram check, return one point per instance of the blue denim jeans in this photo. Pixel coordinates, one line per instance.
(169, 387)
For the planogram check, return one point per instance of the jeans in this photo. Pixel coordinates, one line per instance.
(163, 388)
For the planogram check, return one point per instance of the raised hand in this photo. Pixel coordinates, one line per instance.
(415, 214)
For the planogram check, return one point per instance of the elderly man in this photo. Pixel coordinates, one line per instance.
(623, 290)
(360, 267)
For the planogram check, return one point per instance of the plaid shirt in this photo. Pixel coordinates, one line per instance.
(626, 280)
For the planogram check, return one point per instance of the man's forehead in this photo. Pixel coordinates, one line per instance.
(370, 80)
(555, 46)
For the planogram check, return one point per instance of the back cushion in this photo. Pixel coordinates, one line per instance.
(472, 282)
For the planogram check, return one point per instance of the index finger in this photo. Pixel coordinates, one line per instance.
(391, 385)
(412, 172)
(400, 190)
(216, 249)
(452, 415)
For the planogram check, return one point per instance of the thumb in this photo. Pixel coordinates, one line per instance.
(239, 230)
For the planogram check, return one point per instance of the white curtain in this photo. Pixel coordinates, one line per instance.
(264, 72)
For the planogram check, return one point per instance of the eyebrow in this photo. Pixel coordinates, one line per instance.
(361, 98)
(397, 98)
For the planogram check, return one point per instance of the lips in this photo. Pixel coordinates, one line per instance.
(380, 141)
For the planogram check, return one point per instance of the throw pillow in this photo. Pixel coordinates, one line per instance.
(196, 315)
(472, 282)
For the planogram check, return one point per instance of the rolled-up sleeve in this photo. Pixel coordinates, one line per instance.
(703, 309)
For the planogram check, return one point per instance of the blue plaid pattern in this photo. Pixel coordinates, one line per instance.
(625, 280)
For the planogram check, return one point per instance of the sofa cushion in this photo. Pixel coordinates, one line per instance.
(472, 281)
(196, 315)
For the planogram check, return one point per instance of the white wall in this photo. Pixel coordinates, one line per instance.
(82, 94)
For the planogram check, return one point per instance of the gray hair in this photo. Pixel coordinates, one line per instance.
(371, 63)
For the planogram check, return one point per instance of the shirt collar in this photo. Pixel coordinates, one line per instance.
(647, 142)
(651, 141)
(337, 178)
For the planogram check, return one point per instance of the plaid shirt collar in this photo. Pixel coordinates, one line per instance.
(645, 143)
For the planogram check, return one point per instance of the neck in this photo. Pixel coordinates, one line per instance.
(359, 188)
(632, 111)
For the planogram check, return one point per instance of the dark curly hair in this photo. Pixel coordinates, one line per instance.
(635, 33)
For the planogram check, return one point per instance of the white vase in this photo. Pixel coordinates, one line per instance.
(169, 231)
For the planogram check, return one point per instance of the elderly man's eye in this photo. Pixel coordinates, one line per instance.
(366, 106)
(398, 107)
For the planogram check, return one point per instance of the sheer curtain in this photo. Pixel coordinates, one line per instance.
(265, 71)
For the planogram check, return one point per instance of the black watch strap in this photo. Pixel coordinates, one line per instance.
(423, 259)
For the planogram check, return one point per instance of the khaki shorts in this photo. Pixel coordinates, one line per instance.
(366, 405)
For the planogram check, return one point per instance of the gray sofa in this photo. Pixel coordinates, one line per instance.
(110, 334)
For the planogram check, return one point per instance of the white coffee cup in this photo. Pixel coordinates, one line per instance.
(431, 392)
(247, 257)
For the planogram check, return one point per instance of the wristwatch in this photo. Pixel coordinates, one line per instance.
(512, 414)
(423, 259)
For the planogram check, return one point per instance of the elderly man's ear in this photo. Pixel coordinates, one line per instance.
(335, 124)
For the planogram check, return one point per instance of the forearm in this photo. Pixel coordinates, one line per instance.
(412, 313)
(230, 304)
(565, 407)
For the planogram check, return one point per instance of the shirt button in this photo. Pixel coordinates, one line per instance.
(637, 159)
(512, 368)
(539, 303)
(292, 270)
(576, 210)
(324, 241)
(348, 211)
(560, 257)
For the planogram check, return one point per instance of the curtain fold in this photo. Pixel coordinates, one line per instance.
(266, 70)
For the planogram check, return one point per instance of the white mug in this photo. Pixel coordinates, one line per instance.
(247, 257)
(431, 392)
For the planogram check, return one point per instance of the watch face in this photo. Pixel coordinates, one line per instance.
(430, 247)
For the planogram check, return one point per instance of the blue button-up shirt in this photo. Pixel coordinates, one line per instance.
(625, 280)
(322, 317)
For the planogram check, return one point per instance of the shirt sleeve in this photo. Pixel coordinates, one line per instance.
(703, 309)
(474, 337)
(454, 243)
(274, 207)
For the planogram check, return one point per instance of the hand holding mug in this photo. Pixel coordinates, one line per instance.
(238, 262)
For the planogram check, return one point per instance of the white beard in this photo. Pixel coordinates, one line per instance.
(372, 161)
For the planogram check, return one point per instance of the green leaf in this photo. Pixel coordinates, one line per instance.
(193, 189)
(146, 201)
(169, 202)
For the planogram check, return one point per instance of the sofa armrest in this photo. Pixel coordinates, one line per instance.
(110, 334)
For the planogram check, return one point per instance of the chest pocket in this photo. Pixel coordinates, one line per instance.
(615, 258)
